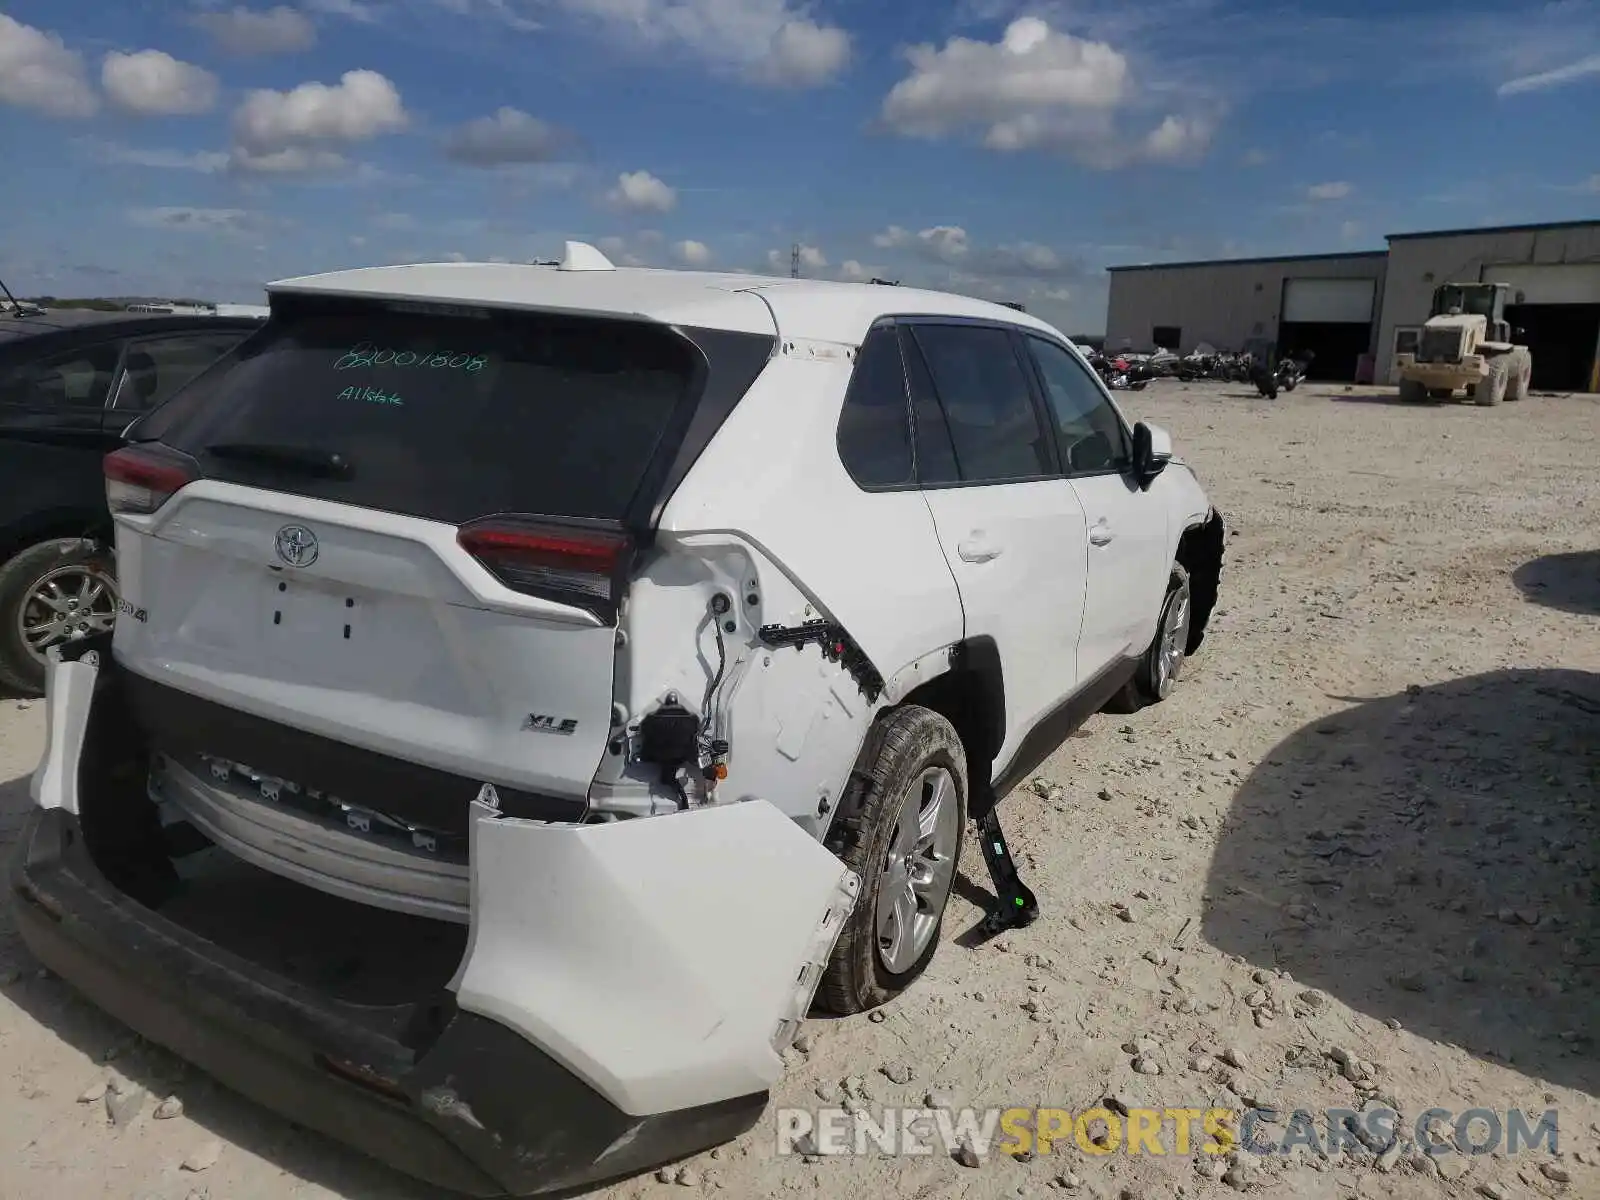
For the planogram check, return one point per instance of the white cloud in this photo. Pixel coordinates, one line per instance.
(1255, 158)
(692, 253)
(640, 191)
(280, 30)
(1178, 138)
(37, 71)
(1558, 77)
(198, 220)
(854, 271)
(950, 246)
(1336, 190)
(509, 136)
(768, 42)
(205, 162)
(294, 131)
(291, 160)
(1351, 231)
(1591, 185)
(1035, 89)
(350, 10)
(153, 83)
(804, 54)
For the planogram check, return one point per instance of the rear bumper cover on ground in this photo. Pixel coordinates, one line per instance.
(482, 1111)
(624, 999)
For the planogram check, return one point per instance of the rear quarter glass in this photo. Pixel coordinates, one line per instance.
(446, 417)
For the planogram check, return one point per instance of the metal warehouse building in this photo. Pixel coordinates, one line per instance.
(1344, 306)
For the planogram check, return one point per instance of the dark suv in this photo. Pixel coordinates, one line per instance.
(70, 382)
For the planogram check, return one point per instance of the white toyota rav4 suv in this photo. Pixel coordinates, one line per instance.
(535, 687)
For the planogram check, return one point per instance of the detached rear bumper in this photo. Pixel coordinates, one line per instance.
(482, 1111)
(624, 999)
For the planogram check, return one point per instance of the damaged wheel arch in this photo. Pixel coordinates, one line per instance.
(1200, 553)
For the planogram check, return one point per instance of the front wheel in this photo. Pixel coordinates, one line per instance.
(1492, 390)
(900, 828)
(1162, 662)
(50, 594)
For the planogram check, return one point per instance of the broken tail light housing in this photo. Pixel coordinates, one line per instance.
(140, 479)
(570, 564)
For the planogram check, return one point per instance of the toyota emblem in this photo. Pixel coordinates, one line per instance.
(297, 546)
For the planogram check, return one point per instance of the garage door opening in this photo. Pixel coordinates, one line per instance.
(1335, 346)
(1563, 339)
(1332, 320)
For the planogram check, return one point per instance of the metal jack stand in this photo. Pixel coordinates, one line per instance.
(1015, 905)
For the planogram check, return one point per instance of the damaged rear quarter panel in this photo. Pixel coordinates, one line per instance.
(820, 547)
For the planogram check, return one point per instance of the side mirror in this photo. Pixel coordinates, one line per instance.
(1152, 451)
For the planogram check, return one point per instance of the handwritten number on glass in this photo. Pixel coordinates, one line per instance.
(369, 354)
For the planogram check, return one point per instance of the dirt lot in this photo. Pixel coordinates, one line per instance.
(1363, 832)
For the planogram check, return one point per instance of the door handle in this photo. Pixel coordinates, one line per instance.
(977, 549)
(1100, 534)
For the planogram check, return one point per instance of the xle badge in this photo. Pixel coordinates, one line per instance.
(545, 723)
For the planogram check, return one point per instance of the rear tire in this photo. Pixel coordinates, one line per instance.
(1412, 391)
(67, 563)
(1493, 388)
(909, 754)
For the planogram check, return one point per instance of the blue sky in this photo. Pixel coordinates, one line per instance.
(1003, 148)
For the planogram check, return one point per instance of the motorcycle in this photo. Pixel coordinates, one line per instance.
(1292, 370)
(1288, 374)
(1121, 375)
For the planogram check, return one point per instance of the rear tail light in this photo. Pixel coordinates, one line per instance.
(141, 479)
(573, 565)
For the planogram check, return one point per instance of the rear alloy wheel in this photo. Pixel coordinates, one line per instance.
(56, 592)
(900, 828)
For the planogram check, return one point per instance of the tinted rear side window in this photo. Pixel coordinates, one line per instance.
(444, 417)
(874, 425)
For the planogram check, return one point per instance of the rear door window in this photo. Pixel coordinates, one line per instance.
(987, 402)
(443, 416)
(76, 378)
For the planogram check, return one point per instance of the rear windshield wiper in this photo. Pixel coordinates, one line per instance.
(309, 459)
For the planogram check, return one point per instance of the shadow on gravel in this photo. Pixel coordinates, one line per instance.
(219, 1113)
(1430, 857)
(1390, 396)
(1570, 582)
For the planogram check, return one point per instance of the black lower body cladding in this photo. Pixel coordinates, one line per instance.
(478, 1109)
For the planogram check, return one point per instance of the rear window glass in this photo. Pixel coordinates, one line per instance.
(441, 416)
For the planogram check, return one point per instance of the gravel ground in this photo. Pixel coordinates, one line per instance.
(1351, 861)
